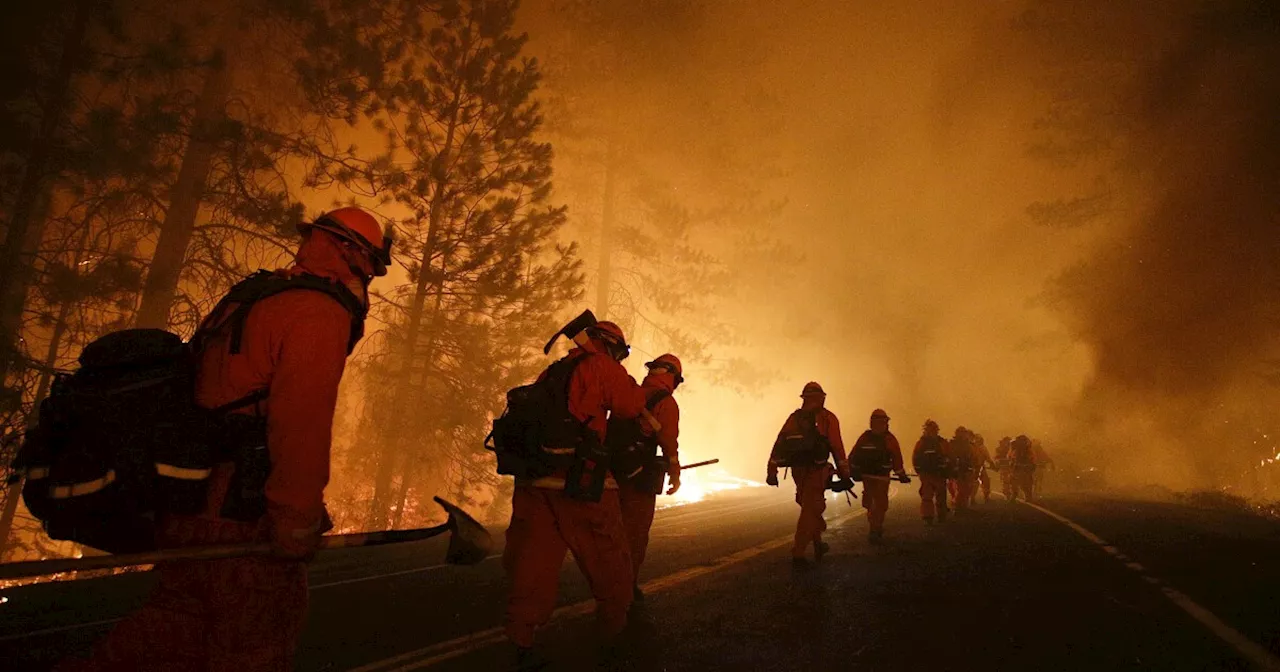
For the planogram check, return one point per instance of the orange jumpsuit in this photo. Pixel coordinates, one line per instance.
(1006, 471)
(933, 486)
(811, 480)
(980, 459)
(1024, 469)
(875, 489)
(545, 522)
(638, 506)
(245, 614)
(963, 481)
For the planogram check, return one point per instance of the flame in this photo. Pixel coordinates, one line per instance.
(698, 484)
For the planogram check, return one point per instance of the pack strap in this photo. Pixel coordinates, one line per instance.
(657, 399)
(247, 400)
(264, 284)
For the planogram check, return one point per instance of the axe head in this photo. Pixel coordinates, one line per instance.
(469, 542)
(571, 330)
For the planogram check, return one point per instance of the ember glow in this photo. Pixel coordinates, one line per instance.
(699, 484)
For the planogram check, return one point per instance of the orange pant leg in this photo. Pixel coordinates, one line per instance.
(984, 479)
(532, 559)
(811, 495)
(964, 492)
(1006, 482)
(933, 495)
(593, 532)
(638, 508)
(875, 499)
(237, 615)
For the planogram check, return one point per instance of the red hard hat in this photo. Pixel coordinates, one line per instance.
(359, 227)
(879, 413)
(812, 389)
(612, 336)
(671, 362)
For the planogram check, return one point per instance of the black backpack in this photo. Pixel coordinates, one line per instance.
(930, 460)
(805, 447)
(121, 441)
(537, 436)
(961, 456)
(871, 455)
(633, 455)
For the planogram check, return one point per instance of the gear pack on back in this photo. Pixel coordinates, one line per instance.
(805, 446)
(870, 455)
(634, 454)
(537, 436)
(961, 455)
(930, 459)
(121, 441)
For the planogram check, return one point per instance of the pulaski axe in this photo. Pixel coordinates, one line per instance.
(576, 331)
(469, 543)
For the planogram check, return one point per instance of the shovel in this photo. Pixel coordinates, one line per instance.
(469, 544)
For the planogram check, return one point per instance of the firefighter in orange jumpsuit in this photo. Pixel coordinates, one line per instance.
(929, 458)
(245, 614)
(637, 491)
(982, 460)
(962, 476)
(1044, 464)
(1002, 465)
(873, 456)
(546, 522)
(1023, 461)
(809, 437)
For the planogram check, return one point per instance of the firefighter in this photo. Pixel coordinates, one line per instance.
(808, 439)
(1003, 466)
(546, 521)
(1044, 463)
(245, 614)
(873, 456)
(929, 458)
(1023, 462)
(642, 473)
(962, 477)
(982, 458)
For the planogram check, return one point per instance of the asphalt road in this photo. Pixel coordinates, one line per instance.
(1090, 582)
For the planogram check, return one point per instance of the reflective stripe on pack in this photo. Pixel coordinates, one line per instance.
(37, 473)
(81, 489)
(559, 451)
(182, 473)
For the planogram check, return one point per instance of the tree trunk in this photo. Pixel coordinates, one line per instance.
(184, 199)
(380, 505)
(604, 279)
(26, 221)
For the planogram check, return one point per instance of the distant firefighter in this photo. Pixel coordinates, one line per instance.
(808, 439)
(1005, 467)
(873, 456)
(963, 476)
(1023, 461)
(982, 458)
(929, 458)
(1044, 464)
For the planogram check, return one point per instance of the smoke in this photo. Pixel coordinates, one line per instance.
(1044, 217)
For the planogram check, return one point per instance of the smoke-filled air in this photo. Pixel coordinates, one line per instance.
(1048, 218)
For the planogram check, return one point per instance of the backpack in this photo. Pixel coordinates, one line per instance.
(804, 447)
(961, 456)
(871, 455)
(536, 435)
(633, 454)
(930, 460)
(121, 442)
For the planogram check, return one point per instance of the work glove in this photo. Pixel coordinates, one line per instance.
(292, 541)
(903, 477)
(842, 470)
(673, 474)
(772, 478)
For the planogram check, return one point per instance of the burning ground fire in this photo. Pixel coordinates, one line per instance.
(698, 484)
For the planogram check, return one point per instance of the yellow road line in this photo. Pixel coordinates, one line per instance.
(442, 651)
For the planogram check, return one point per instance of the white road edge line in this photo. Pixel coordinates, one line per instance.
(1249, 649)
(442, 651)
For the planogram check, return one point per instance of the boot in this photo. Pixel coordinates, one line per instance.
(820, 549)
(928, 520)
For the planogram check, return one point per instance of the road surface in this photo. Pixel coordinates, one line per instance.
(1085, 582)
